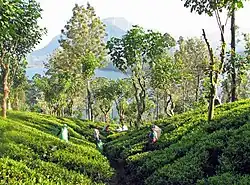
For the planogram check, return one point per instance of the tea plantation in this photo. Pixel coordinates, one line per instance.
(31, 153)
(190, 150)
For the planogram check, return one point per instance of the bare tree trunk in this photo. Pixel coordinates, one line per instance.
(106, 118)
(170, 106)
(157, 105)
(184, 98)
(214, 80)
(89, 103)
(121, 118)
(165, 102)
(70, 107)
(140, 96)
(197, 91)
(6, 90)
(233, 72)
(63, 110)
(9, 104)
(119, 111)
(211, 102)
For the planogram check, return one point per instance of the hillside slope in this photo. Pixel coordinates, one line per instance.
(32, 154)
(190, 150)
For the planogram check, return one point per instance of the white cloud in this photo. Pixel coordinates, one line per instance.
(163, 15)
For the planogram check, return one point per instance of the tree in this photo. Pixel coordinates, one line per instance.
(192, 58)
(243, 66)
(71, 85)
(214, 7)
(34, 94)
(122, 92)
(136, 52)
(38, 93)
(83, 43)
(104, 94)
(19, 33)
(18, 82)
(165, 74)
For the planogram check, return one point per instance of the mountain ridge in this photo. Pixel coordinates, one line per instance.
(115, 27)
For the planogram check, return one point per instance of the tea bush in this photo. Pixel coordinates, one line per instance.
(31, 153)
(190, 150)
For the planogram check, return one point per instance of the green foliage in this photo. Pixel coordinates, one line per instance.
(208, 7)
(19, 34)
(19, 30)
(225, 179)
(165, 72)
(190, 150)
(122, 92)
(83, 42)
(136, 53)
(32, 153)
(138, 48)
(82, 50)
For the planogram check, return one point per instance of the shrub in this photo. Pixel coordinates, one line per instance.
(29, 141)
(190, 149)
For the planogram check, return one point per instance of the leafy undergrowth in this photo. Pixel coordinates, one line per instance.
(190, 150)
(31, 153)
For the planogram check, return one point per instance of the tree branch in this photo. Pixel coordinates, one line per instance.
(208, 46)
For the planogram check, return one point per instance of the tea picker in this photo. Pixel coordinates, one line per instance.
(63, 133)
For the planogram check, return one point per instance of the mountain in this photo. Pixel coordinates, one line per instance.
(115, 27)
(38, 57)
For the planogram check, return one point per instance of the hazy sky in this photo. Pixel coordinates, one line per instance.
(163, 15)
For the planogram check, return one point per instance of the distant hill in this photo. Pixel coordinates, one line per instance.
(38, 57)
(115, 27)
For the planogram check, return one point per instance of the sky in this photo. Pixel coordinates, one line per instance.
(162, 15)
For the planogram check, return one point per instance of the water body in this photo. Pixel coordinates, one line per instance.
(114, 75)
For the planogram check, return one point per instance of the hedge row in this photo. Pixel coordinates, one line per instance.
(191, 150)
(31, 153)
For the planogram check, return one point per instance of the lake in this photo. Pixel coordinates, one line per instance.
(114, 75)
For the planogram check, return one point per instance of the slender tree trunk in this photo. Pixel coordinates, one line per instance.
(170, 106)
(214, 80)
(211, 102)
(233, 72)
(183, 97)
(88, 102)
(165, 102)
(89, 107)
(157, 105)
(119, 111)
(106, 117)
(121, 118)
(138, 119)
(9, 104)
(63, 110)
(197, 91)
(70, 107)
(15, 104)
(6, 90)
(212, 92)
(140, 101)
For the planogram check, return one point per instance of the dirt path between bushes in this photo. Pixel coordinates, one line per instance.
(119, 177)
